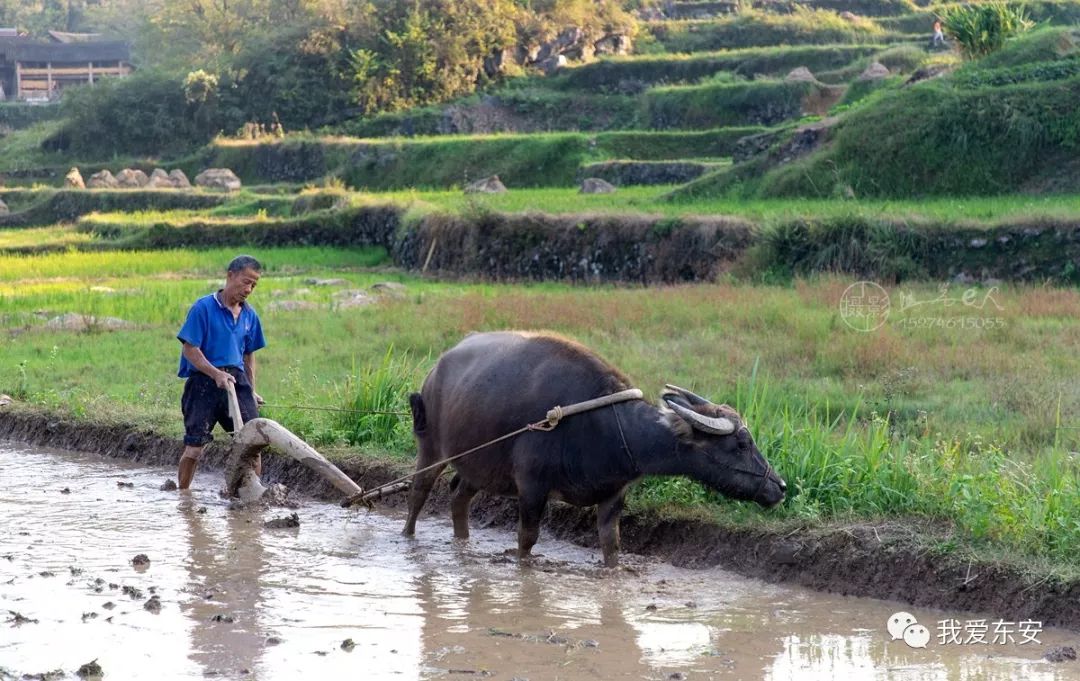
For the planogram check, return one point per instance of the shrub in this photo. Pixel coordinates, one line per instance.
(982, 29)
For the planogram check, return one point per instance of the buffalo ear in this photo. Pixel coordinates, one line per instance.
(717, 425)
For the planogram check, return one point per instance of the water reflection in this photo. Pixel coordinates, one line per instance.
(415, 608)
(225, 576)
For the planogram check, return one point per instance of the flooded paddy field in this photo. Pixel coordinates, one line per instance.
(344, 595)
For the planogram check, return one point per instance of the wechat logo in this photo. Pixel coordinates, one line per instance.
(903, 625)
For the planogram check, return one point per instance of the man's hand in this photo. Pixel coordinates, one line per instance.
(223, 379)
(259, 401)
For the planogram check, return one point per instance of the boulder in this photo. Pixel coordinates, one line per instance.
(5, 400)
(488, 185)
(326, 282)
(73, 180)
(292, 305)
(352, 298)
(102, 179)
(594, 185)
(4, 210)
(131, 179)
(73, 321)
(800, 75)
(614, 44)
(159, 179)
(567, 40)
(389, 289)
(876, 71)
(179, 179)
(221, 179)
(552, 64)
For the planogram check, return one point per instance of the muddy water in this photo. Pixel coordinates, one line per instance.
(238, 600)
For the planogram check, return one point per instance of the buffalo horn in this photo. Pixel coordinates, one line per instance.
(718, 425)
(694, 399)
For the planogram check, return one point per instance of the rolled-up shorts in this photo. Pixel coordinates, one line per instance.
(204, 405)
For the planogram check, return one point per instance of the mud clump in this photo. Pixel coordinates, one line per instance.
(18, 619)
(168, 486)
(90, 670)
(1060, 654)
(141, 560)
(347, 645)
(282, 523)
(227, 619)
(153, 604)
(132, 593)
(54, 675)
(125, 485)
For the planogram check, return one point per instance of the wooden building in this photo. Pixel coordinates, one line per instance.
(35, 70)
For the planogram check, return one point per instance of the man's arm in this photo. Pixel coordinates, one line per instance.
(249, 368)
(194, 355)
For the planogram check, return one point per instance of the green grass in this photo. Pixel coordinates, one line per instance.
(636, 200)
(762, 29)
(624, 72)
(759, 102)
(956, 426)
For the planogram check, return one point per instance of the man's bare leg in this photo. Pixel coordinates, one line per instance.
(189, 461)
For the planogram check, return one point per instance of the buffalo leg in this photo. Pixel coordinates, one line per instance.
(459, 506)
(607, 523)
(531, 505)
(418, 493)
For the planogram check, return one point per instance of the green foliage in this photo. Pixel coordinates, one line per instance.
(146, 113)
(984, 28)
(938, 139)
(864, 8)
(760, 102)
(630, 73)
(1038, 71)
(1041, 45)
(430, 51)
(850, 244)
(18, 116)
(860, 89)
(382, 387)
(756, 28)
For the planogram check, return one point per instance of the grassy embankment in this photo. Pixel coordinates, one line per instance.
(963, 427)
(997, 125)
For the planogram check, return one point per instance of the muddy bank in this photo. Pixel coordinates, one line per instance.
(882, 561)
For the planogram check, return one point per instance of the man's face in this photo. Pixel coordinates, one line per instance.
(239, 285)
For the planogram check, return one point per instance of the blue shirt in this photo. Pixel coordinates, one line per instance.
(211, 328)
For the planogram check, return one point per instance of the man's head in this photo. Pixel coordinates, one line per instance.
(241, 278)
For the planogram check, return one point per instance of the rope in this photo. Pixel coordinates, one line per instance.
(554, 416)
(347, 411)
(539, 425)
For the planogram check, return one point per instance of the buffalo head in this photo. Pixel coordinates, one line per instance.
(732, 464)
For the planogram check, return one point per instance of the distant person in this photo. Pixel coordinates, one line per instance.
(219, 337)
(939, 35)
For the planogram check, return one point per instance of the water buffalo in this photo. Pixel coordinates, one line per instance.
(493, 383)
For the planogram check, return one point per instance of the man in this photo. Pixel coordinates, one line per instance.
(939, 35)
(219, 337)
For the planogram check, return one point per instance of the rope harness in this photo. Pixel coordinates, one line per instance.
(554, 416)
